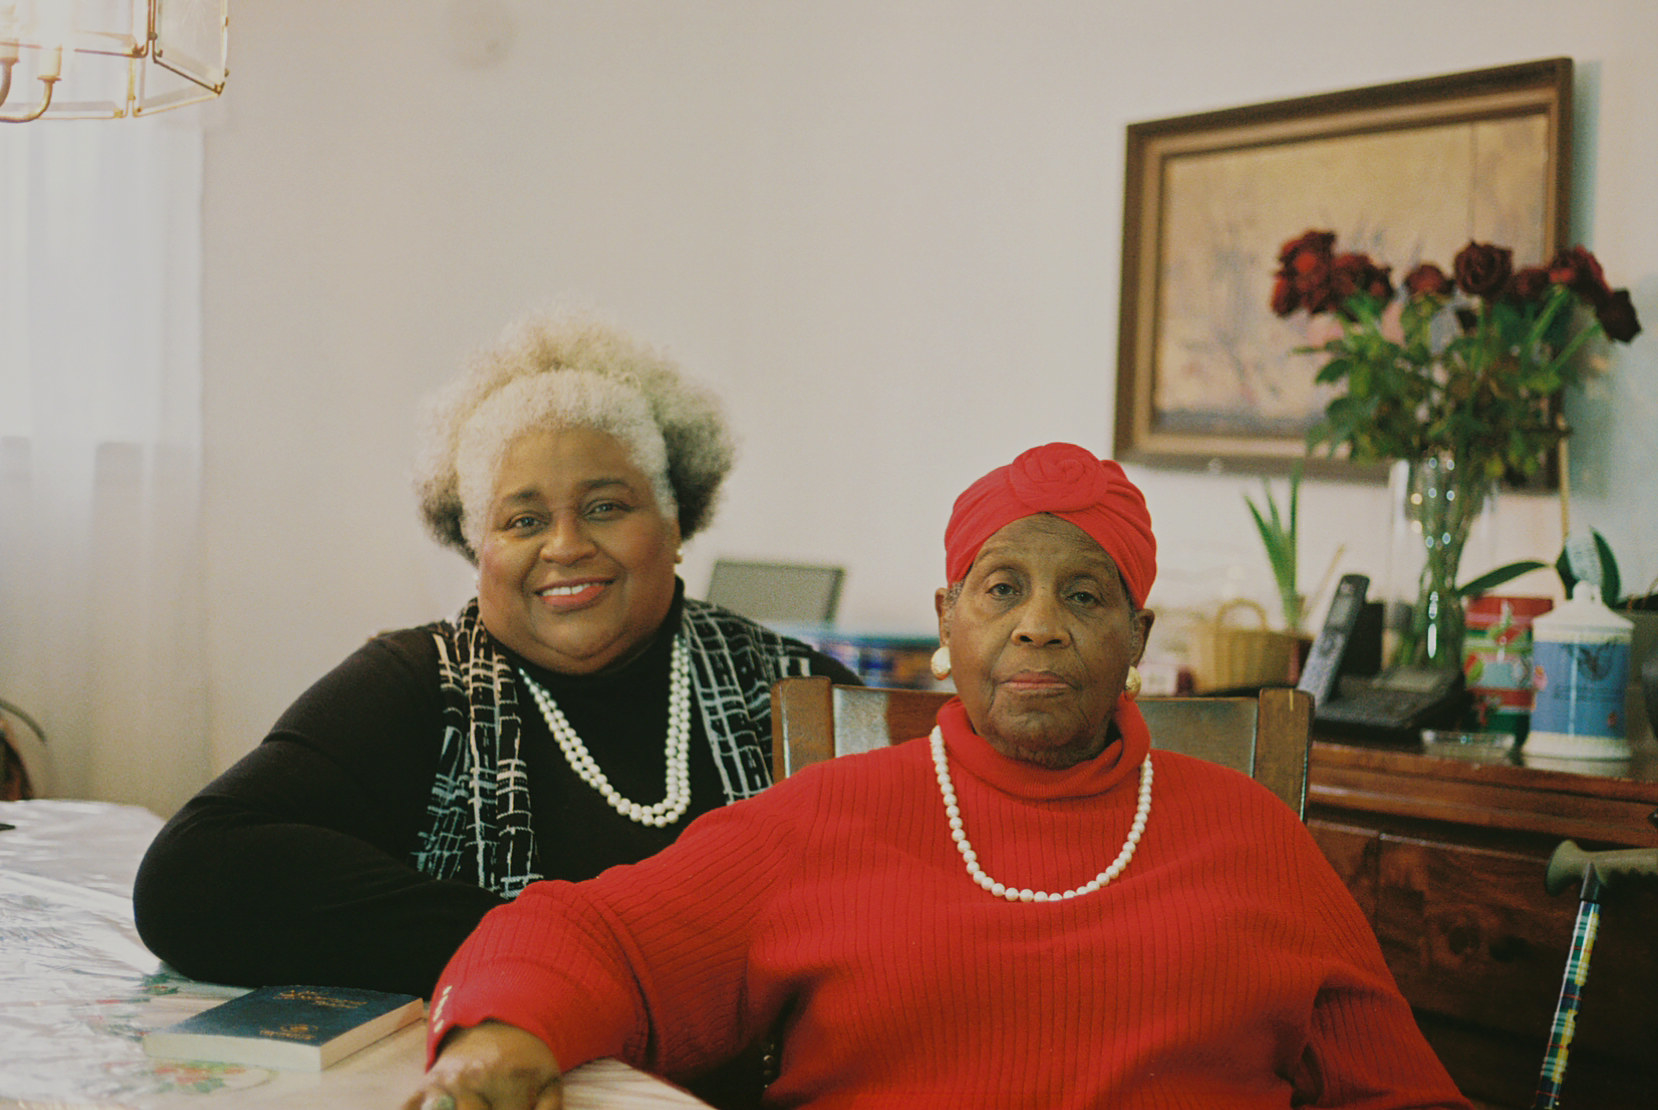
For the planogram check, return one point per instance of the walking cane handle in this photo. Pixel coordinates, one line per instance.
(1571, 864)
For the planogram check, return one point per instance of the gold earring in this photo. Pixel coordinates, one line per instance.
(941, 663)
(1131, 684)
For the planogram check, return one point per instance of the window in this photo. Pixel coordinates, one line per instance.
(100, 451)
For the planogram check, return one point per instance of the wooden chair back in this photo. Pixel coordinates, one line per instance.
(1266, 737)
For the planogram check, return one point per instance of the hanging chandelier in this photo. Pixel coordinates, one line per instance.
(103, 59)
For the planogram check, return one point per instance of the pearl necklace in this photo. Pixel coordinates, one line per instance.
(678, 800)
(941, 768)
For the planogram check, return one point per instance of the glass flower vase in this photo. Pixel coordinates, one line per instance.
(1443, 496)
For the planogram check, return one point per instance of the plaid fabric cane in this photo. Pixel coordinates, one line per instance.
(1565, 1013)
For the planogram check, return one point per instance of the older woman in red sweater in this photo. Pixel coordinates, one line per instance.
(1027, 908)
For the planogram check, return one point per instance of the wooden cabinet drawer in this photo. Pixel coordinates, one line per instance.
(1479, 947)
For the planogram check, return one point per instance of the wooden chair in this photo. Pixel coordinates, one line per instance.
(1265, 737)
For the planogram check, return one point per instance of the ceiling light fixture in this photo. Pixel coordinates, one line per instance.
(104, 59)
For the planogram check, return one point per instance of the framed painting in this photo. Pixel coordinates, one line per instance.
(1405, 172)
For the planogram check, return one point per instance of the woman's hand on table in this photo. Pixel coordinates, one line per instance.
(491, 1065)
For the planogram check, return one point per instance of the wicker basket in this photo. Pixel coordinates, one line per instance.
(1227, 654)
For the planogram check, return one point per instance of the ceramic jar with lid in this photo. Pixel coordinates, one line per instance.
(1580, 668)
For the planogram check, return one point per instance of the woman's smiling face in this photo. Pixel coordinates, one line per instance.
(1041, 637)
(576, 559)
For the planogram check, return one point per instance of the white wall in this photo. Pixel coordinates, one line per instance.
(887, 231)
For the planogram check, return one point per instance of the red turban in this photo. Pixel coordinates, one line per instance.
(1069, 482)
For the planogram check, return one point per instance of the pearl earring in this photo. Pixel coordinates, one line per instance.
(941, 663)
(1131, 684)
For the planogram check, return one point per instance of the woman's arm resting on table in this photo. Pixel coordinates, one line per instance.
(294, 865)
(491, 1065)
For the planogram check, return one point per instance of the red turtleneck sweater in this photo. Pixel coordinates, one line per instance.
(1227, 966)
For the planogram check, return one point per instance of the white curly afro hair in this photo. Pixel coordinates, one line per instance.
(559, 371)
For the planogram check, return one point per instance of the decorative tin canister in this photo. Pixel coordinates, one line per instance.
(1580, 667)
(1497, 661)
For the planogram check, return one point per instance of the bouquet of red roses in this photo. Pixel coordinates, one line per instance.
(1467, 364)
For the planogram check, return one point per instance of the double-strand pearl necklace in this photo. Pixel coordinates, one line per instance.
(670, 808)
(941, 768)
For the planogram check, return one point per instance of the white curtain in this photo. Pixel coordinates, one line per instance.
(100, 452)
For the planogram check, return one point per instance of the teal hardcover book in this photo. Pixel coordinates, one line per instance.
(297, 1028)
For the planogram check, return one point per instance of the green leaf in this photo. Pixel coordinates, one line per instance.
(1277, 529)
(1559, 296)
(1334, 370)
(1494, 578)
(1611, 590)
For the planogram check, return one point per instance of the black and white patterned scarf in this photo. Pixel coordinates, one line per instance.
(478, 820)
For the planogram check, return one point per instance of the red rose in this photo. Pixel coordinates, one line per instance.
(1284, 298)
(1358, 273)
(1527, 286)
(1307, 266)
(1308, 242)
(1379, 283)
(1427, 280)
(1314, 288)
(1304, 264)
(1617, 315)
(1483, 269)
(1308, 273)
(1579, 271)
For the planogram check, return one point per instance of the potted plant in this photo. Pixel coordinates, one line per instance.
(1278, 536)
(1456, 375)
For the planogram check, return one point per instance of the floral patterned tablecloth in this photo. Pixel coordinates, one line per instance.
(78, 990)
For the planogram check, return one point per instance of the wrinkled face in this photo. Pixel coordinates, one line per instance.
(576, 560)
(1041, 638)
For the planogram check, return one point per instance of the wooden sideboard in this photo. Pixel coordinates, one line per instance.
(1446, 855)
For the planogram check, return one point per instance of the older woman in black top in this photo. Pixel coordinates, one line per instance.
(577, 713)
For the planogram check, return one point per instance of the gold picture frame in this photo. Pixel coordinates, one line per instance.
(1405, 172)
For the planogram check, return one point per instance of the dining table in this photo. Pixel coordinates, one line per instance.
(78, 991)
